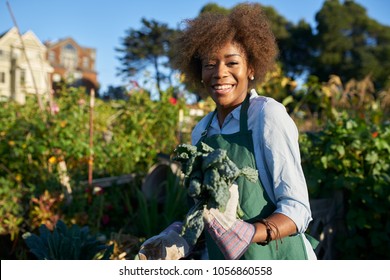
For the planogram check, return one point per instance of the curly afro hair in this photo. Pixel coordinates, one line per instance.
(246, 25)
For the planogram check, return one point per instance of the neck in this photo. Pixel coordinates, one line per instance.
(222, 112)
(221, 117)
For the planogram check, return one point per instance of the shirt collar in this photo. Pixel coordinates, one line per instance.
(235, 114)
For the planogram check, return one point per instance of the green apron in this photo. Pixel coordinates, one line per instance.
(254, 200)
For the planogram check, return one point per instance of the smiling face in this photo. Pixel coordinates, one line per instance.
(225, 74)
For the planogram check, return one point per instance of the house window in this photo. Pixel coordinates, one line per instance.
(23, 77)
(2, 77)
(52, 57)
(85, 62)
(69, 57)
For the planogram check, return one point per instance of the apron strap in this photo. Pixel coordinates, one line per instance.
(244, 114)
(204, 133)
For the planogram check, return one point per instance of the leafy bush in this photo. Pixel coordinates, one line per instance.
(349, 152)
(64, 243)
(48, 152)
(352, 156)
(11, 210)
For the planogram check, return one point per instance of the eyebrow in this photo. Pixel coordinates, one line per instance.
(233, 54)
(225, 56)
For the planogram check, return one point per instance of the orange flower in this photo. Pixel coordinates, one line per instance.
(375, 134)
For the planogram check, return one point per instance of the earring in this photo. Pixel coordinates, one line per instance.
(252, 78)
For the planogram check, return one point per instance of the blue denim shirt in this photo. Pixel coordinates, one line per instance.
(277, 155)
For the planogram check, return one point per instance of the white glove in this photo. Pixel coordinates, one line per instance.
(227, 218)
(168, 245)
(233, 236)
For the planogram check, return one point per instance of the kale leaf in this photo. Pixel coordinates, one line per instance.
(209, 173)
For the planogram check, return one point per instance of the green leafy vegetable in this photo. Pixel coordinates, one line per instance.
(209, 174)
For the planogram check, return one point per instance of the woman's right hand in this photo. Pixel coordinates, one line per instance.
(168, 245)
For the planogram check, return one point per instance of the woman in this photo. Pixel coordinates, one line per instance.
(224, 56)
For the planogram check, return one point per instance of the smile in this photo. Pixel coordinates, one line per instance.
(222, 87)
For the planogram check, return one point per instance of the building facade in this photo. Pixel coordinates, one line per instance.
(72, 63)
(24, 68)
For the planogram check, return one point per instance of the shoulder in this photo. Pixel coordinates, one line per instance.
(266, 107)
(270, 117)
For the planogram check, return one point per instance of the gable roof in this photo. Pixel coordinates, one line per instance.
(28, 37)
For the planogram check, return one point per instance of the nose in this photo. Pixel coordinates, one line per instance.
(220, 71)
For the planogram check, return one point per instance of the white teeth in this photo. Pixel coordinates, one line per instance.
(222, 87)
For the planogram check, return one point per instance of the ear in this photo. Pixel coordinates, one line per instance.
(251, 73)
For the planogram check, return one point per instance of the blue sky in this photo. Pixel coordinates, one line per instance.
(101, 24)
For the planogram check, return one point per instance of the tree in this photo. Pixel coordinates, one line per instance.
(145, 48)
(350, 44)
(115, 93)
(295, 42)
(214, 8)
(297, 50)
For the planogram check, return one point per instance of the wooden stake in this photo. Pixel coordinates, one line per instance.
(90, 161)
(28, 61)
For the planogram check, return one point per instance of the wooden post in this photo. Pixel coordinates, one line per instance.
(90, 161)
(27, 59)
(180, 126)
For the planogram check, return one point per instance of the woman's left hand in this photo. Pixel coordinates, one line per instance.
(233, 236)
(227, 218)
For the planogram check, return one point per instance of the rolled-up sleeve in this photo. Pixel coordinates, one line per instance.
(279, 162)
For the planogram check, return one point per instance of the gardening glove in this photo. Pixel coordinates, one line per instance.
(233, 236)
(168, 245)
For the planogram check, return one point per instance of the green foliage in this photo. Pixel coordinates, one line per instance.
(351, 44)
(351, 155)
(148, 216)
(127, 137)
(345, 148)
(209, 174)
(64, 243)
(11, 210)
(148, 46)
(214, 8)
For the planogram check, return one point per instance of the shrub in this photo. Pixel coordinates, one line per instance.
(350, 153)
(64, 243)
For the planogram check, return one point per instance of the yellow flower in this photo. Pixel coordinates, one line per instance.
(63, 124)
(284, 81)
(52, 160)
(18, 177)
(11, 143)
(293, 84)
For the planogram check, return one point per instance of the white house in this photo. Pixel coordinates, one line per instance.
(20, 76)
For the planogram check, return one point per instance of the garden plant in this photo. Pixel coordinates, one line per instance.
(44, 159)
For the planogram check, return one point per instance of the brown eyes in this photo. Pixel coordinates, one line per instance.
(210, 66)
